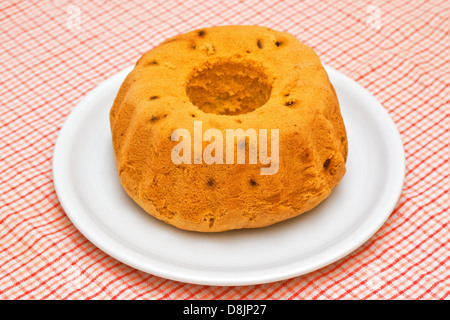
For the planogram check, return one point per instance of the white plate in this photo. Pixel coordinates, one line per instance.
(89, 190)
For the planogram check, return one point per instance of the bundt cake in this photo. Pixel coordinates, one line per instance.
(228, 127)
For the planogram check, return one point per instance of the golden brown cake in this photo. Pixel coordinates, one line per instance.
(228, 78)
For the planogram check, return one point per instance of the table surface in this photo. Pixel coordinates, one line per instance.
(54, 52)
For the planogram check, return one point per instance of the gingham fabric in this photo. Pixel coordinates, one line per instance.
(54, 52)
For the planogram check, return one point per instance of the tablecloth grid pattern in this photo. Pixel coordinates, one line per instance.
(54, 52)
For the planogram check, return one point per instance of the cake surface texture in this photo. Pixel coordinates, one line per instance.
(228, 78)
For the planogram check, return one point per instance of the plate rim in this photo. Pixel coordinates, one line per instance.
(58, 181)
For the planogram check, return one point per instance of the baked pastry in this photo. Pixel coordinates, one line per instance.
(193, 90)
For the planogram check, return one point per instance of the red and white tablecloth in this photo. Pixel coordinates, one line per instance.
(54, 52)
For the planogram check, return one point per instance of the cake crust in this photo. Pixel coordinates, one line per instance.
(228, 77)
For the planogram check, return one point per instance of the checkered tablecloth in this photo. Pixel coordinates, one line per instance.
(54, 52)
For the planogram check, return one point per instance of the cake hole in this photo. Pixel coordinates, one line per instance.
(289, 104)
(154, 97)
(253, 183)
(326, 163)
(210, 219)
(228, 88)
(259, 43)
(157, 117)
(201, 33)
(210, 182)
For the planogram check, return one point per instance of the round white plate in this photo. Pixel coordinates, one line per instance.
(89, 190)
